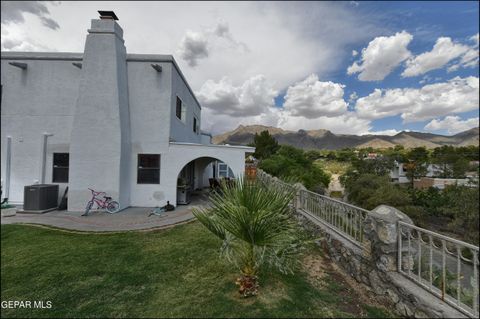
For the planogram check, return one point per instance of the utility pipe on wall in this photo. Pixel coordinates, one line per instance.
(7, 166)
(44, 157)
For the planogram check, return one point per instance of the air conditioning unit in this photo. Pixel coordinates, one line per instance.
(40, 197)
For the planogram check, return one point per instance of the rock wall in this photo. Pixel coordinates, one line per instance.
(374, 264)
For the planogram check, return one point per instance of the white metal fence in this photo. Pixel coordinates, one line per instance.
(446, 267)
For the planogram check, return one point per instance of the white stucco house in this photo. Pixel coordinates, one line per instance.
(125, 124)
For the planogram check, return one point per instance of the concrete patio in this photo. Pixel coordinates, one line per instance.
(132, 218)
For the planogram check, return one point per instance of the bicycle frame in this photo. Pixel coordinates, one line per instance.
(100, 203)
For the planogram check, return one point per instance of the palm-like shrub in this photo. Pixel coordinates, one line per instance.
(257, 228)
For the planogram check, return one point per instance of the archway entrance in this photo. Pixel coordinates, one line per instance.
(199, 176)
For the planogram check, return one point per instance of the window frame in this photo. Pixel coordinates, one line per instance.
(196, 126)
(180, 109)
(55, 179)
(147, 169)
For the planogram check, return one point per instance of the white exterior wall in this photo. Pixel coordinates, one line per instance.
(100, 143)
(150, 101)
(40, 99)
(183, 131)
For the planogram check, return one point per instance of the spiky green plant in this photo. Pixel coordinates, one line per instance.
(257, 228)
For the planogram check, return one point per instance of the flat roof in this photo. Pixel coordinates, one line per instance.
(246, 148)
(72, 56)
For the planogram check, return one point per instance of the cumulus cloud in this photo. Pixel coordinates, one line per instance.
(390, 132)
(14, 11)
(354, 53)
(252, 98)
(381, 57)
(444, 51)
(309, 104)
(453, 124)
(196, 45)
(313, 98)
(347, 123)
(430, 101)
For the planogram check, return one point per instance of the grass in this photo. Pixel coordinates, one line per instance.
(169, 273)
(333, 167)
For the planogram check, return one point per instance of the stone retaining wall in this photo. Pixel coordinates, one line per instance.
(374, 264)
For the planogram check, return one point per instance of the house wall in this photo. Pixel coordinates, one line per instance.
(150, 100)
(181, 131)
(40, 99)
(100, 143)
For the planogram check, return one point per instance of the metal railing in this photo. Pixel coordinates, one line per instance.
(446, 267)
(270, 181)
(345, 219)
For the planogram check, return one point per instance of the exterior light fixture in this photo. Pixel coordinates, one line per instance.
(157, 67)
(20, 65)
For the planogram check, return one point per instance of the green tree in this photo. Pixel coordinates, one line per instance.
(292, 164)
(460, 167)
(444, 157)
(256, 227)
(417, 163)
(265, 145)
(462, 205)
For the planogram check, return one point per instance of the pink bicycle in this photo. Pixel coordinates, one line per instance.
(106, 203)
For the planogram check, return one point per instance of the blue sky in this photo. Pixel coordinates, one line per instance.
(291, 64)
(426, 21)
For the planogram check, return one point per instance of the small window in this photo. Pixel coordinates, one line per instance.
(222, 170)
(148, 169)
(178, 110)
(60, 167)
(195, 125)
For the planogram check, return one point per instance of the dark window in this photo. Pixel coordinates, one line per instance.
(60, 167)
(195, 125)
(148, 169)
(179, 108)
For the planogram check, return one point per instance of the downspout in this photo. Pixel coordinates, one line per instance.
(44, 156)
(7, 166)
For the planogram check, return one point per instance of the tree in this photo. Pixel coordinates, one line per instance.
(256, 227)
(445, 157)
(265, 145)
(291, 163)
(417, 163)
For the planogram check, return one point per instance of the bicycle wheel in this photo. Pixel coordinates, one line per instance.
(113, 207)
(87, 209)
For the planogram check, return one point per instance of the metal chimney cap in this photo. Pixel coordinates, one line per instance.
(107, 15)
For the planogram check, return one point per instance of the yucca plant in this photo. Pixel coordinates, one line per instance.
(257, 228)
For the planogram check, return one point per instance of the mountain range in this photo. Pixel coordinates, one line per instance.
(324, 139)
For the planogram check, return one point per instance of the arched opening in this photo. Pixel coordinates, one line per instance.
(199, 176)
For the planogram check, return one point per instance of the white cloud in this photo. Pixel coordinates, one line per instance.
(313, 98)
(453, 124)
(251, 98)
(353, 97)
(381, 57)
(194, 46)
(347, 123)
(390, 132)
(444, 51)
(14, 11)
(197, 45)
(354, 53)
(432, 100)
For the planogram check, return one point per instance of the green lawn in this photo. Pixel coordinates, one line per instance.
(333, 167)
(169, 273)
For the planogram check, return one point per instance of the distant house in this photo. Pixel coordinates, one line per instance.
(126, 124)
(441, 183)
